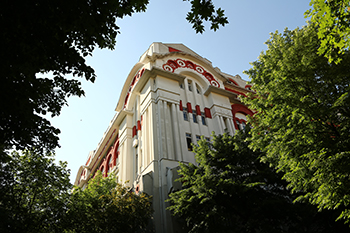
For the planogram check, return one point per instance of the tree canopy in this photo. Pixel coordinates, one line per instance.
(34, 193)
(230, 190)
(107, 206)
(36, 196)
(333, 18)
(43, 42)
(302, 118)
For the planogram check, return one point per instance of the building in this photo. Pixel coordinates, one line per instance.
(170, 99)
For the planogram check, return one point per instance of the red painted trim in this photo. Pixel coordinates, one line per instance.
(132, 84)
(171, 50)
(172, 65)
(108, 167)
(134, 131)
(198, 110)
(207, 113)
(233, 81)
(189, 107)
(88, 161)
(239, 108)
(180, 105)
(247, 86)
(234, 91)
(138, 125)
(103, 149)
(242, 109)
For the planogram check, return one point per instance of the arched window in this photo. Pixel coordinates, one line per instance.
(239, 113)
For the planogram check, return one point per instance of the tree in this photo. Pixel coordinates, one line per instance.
(34, 192)
(333, 18)
(230, 190)
(107, 206)
(54, 37)
(302, 118)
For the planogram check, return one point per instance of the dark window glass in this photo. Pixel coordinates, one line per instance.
(189, 141)
(194, 114)
(185, 114)
(204, 122)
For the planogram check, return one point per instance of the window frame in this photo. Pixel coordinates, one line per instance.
(185, 114)
(189, 141)
(194, 115)
(204, 121)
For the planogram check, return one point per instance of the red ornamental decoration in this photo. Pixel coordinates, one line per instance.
(133, 82)
(172, 65)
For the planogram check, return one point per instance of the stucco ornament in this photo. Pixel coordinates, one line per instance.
(172, 65)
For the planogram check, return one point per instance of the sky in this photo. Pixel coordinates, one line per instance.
(231, 49)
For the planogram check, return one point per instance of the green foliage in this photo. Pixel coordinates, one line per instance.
(34, 192)
(333, 18)
(302, 118)
(107, 206)
(230, 190)
(204, 10)
(49, 36)
(45, 41)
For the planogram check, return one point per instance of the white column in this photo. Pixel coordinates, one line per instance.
(175, 126)
(168, 132)
(230, 126)
(161, 129)
(182, 135)
(221, 124)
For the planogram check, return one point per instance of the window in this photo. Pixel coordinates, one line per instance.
(243, 125)
(198, 138)
(194, 114)
(204, 122)
(198, 89)
(189, 141)
(209, 143)
(189, 85)
(181, 85)
(238, 124)
(185, 114)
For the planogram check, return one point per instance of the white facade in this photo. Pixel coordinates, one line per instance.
(171, 98)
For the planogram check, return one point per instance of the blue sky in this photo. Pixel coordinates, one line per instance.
(231, 48)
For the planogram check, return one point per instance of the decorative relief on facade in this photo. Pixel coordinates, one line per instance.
(132, 84)
(172, 65)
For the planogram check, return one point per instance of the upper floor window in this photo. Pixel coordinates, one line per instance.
(189, 85)
(189, 141)
(198, 89)
(194, 114)
(185, 114)
(198, 138)
(241, 125)
(204, 122)
(181, 85)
